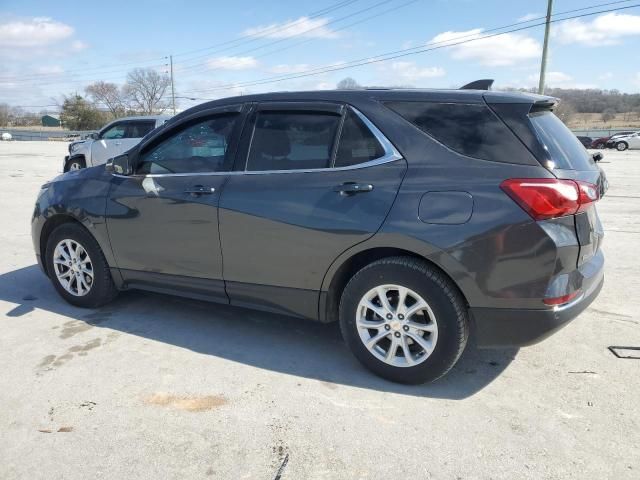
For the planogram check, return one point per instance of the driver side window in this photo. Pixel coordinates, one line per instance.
(199, 147)
(113, 132)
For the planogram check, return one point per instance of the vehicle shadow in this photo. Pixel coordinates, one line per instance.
(269, 341)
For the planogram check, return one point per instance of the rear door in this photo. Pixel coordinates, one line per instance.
(135, 130)
(313, 180)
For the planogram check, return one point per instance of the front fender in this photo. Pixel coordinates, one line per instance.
(80, 196)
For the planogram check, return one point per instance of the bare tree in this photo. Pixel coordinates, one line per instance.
(110, 95)
(4, 114)
(348, 84)
(145, 89)
(608, 114)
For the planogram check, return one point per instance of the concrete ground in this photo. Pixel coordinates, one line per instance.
(157, 387)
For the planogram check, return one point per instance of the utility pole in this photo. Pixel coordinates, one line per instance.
(543, 65)
(173, 92)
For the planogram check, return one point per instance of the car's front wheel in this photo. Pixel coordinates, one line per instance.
(77, 267)
(404, 320)
(621, 146)
(75, 163)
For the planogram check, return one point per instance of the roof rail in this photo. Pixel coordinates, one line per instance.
(484, 84)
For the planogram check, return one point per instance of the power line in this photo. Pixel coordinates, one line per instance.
(244, 38)
(272, 30)
(402, 53)
(204, 66)
(358, 12)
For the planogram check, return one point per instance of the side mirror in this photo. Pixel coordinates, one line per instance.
(94, 136)
(597, 156)
(119, 165)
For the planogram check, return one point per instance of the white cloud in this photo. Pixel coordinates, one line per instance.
(302, 27)
(608, 29)
(78, 45)
(410, 72)
(637, 79)
(34, 32)
(290, 68)
(232, 63)
(528, 17)
(501, 50)
(50, 70)
(558, 80)
(605, 76)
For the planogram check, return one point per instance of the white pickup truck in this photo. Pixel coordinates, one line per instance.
(113, 139)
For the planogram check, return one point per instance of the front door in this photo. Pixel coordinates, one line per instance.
(163, 219)
(108, 144)
(307, 193)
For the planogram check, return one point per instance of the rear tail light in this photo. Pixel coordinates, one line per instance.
(545, 198)
(561, 300)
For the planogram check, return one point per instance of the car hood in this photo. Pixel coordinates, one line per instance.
(79, 175)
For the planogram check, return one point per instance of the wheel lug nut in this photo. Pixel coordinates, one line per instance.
(389, 316)
(405, 328)
(397, 334)
(387, 327)
(400, 317)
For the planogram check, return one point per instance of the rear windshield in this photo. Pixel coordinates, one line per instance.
(472, 130)
(565, 150)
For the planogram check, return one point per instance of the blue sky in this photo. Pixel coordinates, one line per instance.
(53, 48)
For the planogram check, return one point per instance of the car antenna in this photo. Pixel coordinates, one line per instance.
(484, 84)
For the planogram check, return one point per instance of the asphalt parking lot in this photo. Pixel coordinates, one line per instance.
(157, 387)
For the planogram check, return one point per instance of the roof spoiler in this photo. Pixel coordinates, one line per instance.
(484, 84)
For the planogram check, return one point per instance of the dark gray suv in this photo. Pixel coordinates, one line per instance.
(414, 218)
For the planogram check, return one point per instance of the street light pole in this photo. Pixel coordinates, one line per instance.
(173, 93)
(543, 65)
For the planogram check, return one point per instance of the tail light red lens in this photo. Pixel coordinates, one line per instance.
(545, 198)
(561, 300)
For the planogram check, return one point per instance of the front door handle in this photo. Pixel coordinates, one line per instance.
(351, 188)
(200, 190)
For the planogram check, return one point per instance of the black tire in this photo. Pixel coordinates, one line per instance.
(621, 146)
(76, 162)
(436, 289)
(102, 289)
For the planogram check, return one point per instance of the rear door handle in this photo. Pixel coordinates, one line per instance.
(351, 188)
(200, 190)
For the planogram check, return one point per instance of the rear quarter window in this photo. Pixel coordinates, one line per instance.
(563, 147)
(470, 129)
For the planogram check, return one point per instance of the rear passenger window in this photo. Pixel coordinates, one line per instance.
(357, 143)
(469, 129)
(139, 128)
(292, 141)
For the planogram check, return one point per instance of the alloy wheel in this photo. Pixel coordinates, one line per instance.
(73, 267)
(396, 325)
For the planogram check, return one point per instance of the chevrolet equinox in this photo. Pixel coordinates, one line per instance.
(415, 218)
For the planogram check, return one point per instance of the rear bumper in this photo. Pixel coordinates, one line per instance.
(497, 327)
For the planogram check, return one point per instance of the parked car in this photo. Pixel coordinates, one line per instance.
(585, 141)
(115, 138)
(6, 136)
(623, 142)
(414, 218)
(602, 141)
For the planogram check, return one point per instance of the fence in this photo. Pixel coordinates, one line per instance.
(42, 134)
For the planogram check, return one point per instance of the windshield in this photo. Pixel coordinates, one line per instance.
(564, 148)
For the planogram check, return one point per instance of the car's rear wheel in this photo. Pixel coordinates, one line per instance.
(621, 146)
(75, 163)
(77, 267)
(404, 320)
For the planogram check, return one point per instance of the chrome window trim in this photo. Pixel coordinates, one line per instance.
(391, 155)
